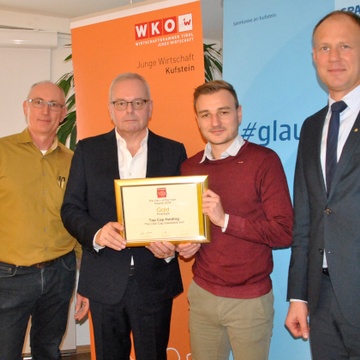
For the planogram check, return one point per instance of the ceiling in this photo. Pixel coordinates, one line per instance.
(212, 10)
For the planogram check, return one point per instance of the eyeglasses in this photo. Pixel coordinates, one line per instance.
(40, 103)
(137, 104)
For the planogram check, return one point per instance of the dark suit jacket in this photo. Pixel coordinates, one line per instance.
(331, 223)
(89, 204)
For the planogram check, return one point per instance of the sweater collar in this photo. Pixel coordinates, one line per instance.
(232, 150)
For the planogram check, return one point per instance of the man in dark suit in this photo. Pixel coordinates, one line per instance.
(130, 289)
(324, 274)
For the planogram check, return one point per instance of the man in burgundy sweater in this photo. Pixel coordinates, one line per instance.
(248, 204)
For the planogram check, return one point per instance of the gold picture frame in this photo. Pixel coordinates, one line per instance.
(162, 209)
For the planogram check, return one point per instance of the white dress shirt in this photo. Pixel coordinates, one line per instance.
(130, 167)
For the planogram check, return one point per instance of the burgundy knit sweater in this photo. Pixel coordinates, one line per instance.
(254, 192)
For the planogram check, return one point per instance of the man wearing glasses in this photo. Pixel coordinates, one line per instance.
(130, 289)
(37, 260)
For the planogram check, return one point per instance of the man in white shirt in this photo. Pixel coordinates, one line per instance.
(130, 289)
(324, 274)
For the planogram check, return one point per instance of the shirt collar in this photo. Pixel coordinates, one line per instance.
(25, 137)
(122, 142)
(232, 150)
(351, 99)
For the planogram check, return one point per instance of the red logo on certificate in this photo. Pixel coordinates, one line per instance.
(161, 192)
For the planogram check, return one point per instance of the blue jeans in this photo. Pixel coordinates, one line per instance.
(44, 294)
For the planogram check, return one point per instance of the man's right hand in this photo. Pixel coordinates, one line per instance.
(109, 236)
(297, 319)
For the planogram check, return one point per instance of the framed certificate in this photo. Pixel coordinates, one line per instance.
(162, 209)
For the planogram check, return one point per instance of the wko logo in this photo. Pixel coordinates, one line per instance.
(167, 26)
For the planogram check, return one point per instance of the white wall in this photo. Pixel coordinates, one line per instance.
(19, 69)
(23, 66)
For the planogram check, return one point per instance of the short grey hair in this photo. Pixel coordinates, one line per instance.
(129, 76)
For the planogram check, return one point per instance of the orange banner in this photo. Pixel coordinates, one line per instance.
(162, 41)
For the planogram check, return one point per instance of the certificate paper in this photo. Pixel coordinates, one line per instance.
(162, 209)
